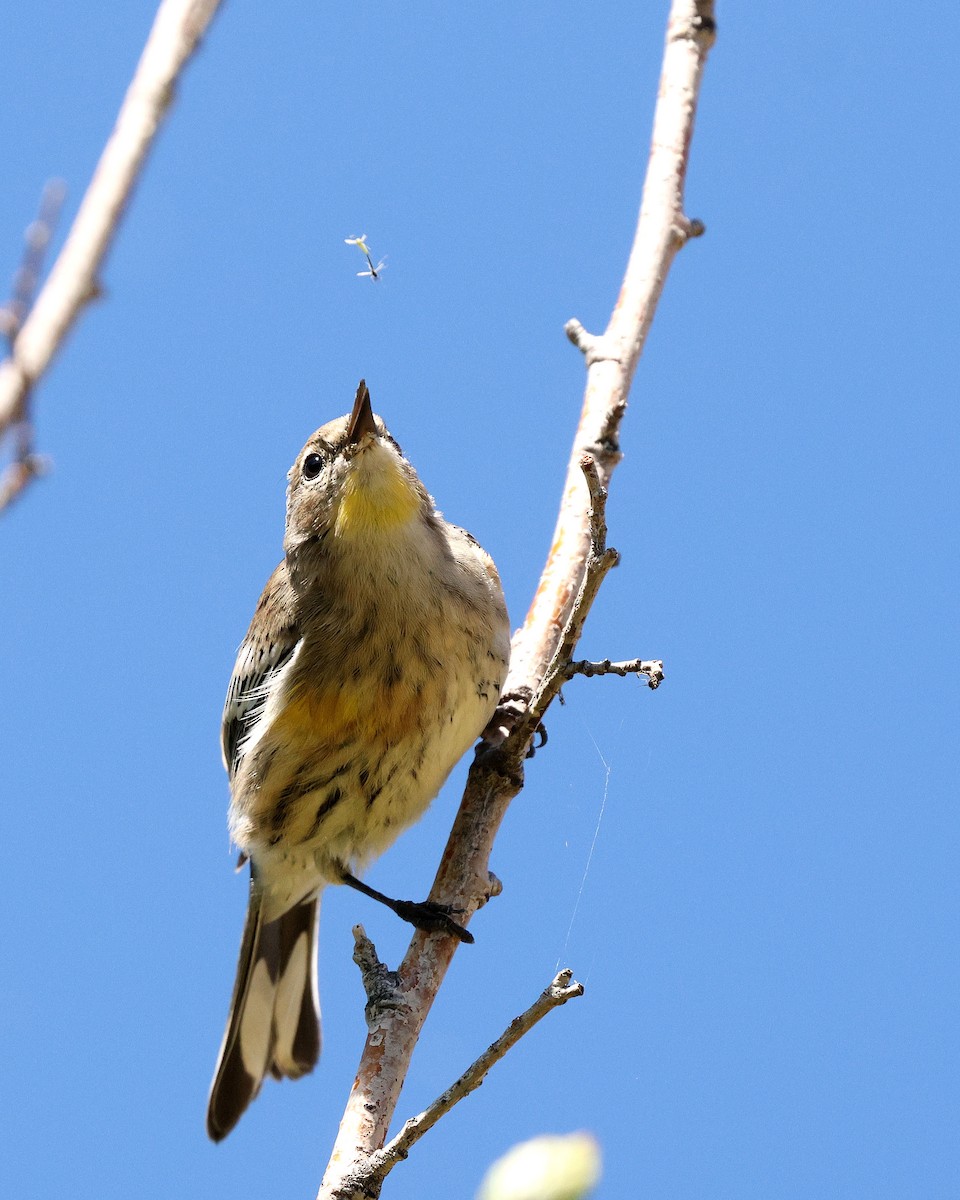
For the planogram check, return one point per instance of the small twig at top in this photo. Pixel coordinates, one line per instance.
(595, 347)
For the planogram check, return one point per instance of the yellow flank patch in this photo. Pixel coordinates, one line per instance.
(343, 711)
(376, 497)
(315, 713)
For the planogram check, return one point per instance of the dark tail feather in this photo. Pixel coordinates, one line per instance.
(274, 1021)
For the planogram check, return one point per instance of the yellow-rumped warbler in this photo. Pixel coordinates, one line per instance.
(375, 657)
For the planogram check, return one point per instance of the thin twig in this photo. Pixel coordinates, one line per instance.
(497, 773)
(74, 278)
(19, 474)
(36, 239)
(26, 465)
(632, 666)
(558, 993)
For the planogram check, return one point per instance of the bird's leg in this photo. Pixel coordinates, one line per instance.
(434, 918)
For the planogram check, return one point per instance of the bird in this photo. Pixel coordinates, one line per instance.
(375, 657)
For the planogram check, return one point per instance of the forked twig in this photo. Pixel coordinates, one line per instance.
(382, 1162)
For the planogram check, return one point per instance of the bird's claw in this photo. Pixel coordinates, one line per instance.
(432, 918)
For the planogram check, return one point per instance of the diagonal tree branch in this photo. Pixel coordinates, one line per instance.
(73, 281)
(542, 648)
(561, 990)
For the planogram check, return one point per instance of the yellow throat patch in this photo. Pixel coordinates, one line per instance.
(376, 496)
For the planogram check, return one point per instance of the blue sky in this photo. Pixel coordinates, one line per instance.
(767, 929)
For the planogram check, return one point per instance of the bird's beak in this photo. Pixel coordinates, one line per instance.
(361, 419)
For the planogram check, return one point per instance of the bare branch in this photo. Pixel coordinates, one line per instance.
(543, 647)
(383, 1161)
(612, 357)
(73, 281)
(633, 666)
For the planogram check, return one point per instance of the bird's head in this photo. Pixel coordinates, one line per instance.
(351, 482)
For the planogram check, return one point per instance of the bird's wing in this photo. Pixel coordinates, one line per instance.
(270, 643)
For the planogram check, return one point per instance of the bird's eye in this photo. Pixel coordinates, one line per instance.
(312, 466)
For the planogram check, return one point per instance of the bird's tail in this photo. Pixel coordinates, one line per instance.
(274, 1021)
